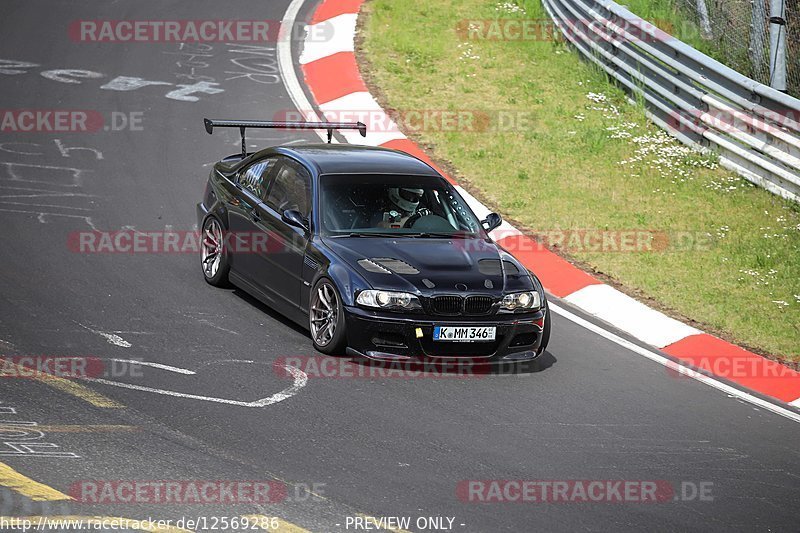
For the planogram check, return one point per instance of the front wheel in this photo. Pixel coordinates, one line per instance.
(213, 254)
(326, 318)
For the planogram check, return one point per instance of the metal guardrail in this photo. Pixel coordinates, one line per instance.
(753, 128)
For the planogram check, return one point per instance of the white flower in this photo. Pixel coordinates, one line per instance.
(509, 7)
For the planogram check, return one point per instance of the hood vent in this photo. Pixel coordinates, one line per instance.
(395, 265)
(510, 267)
(370, 266)
(490, 267)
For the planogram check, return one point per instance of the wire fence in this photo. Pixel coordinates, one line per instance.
(754, 128)
(737, 33)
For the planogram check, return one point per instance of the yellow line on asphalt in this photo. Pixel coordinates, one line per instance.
(79, 391)
(34, 490)
(47, 523)
(273, 523)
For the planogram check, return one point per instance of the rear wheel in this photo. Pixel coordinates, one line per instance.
(326, 318)
(213, 253)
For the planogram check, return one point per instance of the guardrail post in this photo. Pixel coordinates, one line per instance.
(777, 44)
(758, 31)
(706, 31)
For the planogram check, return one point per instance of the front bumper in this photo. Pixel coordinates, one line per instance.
(386, 336)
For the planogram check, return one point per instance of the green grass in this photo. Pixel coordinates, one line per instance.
(563, 170)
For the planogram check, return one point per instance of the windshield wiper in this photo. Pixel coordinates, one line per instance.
(441, 234)
(367, 234)
(420, 234)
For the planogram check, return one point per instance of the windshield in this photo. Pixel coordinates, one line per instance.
(396, 205)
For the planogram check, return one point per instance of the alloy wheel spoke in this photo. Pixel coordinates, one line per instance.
(323, 299)
(323, 315)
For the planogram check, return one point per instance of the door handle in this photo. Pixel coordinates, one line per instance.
(254, 216)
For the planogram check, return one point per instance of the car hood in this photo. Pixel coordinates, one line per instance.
(432, 266)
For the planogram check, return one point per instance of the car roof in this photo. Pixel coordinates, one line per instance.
(356, 159)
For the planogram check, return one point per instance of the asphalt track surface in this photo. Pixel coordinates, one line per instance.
(382, 446)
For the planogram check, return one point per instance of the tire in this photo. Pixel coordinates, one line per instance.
(545, 332)
(214, 258)
(325, 311)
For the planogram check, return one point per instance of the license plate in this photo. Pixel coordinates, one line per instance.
(464, 333)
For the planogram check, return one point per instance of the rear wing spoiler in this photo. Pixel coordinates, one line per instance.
(244, 124)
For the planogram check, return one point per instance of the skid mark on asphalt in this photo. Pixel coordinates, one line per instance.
(41, 216)
(26, 486)
(201, 318)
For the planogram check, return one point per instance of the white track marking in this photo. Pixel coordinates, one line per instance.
(361, 106)
(301, 102)
(111, 338)
(224, 361)
(678, 367)
(161, 366)
(300, 381)
(631, 316)
(338, 37)
(286, 65)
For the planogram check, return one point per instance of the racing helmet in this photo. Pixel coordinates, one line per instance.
(405, 198)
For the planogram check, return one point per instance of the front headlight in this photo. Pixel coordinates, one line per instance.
(388, 300)
(521, 300)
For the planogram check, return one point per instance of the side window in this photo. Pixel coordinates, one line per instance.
(291, 189)
(254, 179)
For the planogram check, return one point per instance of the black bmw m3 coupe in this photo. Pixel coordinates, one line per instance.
(371, 250)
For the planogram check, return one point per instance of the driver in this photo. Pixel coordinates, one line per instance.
(403, 204)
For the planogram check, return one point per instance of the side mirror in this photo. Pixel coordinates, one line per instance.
(491, 221)
(294, 218)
